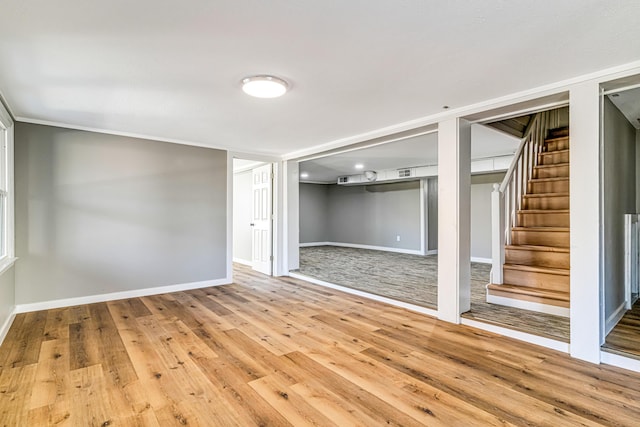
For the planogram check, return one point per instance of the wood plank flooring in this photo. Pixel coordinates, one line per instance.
(278, 352)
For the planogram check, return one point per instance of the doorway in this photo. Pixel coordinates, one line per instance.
(253, 214)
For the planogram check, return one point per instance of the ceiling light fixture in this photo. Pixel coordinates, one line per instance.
(304, 175)
(359, 166)
(264, 86)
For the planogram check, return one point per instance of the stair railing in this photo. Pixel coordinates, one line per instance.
(507, 198)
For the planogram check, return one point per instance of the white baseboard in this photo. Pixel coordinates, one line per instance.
(522, 336)
(620, 361)
(4, 329)
(310, 244)
(243, 261)
(386, 249)
(412, 307)
(528, 305)
(615, 317)
(358, 246)
(68, 302)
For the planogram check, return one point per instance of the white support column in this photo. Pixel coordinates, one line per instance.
(585, 311)
(497, 235)
(424, 216)
(293, 215)
(454, 219)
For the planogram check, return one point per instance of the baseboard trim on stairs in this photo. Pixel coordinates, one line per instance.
(528, 305)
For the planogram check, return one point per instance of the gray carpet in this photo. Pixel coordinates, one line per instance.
(414, 279)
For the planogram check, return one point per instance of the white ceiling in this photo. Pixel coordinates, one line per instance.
(416, 151)
(171, 70)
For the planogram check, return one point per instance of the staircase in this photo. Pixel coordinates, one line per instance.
(536, 254)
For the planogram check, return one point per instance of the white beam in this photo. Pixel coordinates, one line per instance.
(584, 144)
(454, 223)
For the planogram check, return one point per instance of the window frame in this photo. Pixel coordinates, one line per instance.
(7, 257)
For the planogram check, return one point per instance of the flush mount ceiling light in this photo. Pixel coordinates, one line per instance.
(264, 86)
(304, 175)
(359, 166)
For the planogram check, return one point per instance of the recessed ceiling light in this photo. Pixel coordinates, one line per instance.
(264, 86)
(304, 175)
(359, 166)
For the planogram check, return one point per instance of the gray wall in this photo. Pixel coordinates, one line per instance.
(375, 214)
(314, 200)
(242, 205)
(99, 213)
(481, 188)
(619, 192)
(7, 294)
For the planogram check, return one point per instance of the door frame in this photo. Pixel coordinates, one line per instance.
(276, 237)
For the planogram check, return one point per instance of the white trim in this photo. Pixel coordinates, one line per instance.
(358, 246)
(614, 318)
(518, 335)
(331, 149)
(619, 361)
(604, 75)
(6, 264)
(528, 305)
(243, 261)
(4, 329)
(412, 307)
(247, 168)
(482, 260)
(90, 299)
(310, 244)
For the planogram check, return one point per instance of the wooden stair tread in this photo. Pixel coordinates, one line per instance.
(557, 138)
(536, 269)
(534, 195)
(545, 229)
(538, 248)
(543, 211)
(549, 153)
(523, 290)
(555, 165)
(558, 178)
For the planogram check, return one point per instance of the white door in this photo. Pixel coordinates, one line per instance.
(261, 222)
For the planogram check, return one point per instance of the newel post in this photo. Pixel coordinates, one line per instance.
(497, 235)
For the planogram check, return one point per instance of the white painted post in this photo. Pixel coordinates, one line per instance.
(454, 220)
(584, 143)
(497, 235)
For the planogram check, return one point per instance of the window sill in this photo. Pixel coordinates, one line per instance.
(6, 264)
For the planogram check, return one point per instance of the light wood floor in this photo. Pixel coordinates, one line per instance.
(414, 279)
(277, 352)
(624, 339)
